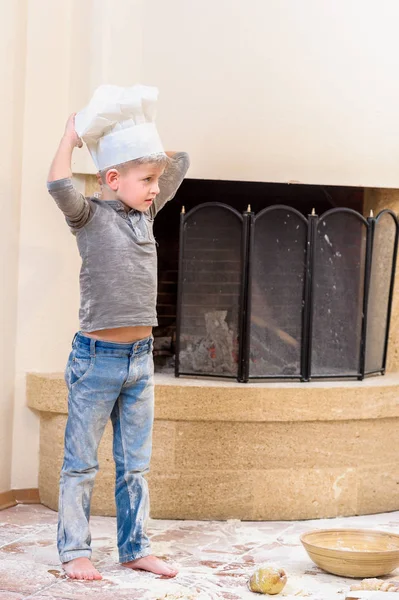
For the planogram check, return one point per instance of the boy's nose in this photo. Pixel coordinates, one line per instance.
(155, 189)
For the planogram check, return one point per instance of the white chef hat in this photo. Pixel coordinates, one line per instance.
(118, 124)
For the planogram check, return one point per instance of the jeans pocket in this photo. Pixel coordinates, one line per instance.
(80, 368)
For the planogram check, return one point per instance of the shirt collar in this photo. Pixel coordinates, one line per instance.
(116, 205)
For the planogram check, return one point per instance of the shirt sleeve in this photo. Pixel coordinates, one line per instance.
(170, 181)
(77, 209)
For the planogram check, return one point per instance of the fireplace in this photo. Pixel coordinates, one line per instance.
(270, 290)
(265, 450)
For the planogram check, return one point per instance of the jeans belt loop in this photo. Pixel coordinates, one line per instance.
(92, 348)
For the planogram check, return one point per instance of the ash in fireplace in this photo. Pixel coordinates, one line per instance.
(216, 352)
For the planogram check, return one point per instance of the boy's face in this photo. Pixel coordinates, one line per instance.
(136, 187)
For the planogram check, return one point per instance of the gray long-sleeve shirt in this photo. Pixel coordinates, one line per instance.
(118, 277)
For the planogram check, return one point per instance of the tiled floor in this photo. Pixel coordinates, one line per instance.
(215, 558)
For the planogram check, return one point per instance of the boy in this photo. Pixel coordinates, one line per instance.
(110, 369)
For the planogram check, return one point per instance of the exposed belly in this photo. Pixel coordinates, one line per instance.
(123, 335)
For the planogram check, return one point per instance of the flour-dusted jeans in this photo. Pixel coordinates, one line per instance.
(107, 380)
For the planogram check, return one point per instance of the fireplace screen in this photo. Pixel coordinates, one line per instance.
(211, 270)
(280, 296)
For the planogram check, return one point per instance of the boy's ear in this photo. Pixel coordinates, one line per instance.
(112, 179)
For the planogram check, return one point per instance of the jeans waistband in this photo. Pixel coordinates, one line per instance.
(128, 349)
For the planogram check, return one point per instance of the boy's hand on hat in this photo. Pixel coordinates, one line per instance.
(70, 132)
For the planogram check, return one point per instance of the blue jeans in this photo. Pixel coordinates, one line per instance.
(107, 379)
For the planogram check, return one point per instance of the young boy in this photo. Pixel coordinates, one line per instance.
(110, 369)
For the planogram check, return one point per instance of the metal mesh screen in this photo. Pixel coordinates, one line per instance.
(290, 304)
(338, 285)
(380, 281)
(210, 292)
(277, 292)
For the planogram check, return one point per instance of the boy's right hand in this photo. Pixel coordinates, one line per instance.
(61, 165)
(70, 132)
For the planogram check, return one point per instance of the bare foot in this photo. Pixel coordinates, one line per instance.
(81, 568)
(153, 565)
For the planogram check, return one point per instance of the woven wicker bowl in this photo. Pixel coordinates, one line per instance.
(353, 552)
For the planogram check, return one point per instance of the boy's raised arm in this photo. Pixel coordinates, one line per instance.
(76, 208)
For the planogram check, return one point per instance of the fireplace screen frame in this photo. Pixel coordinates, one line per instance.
(367, 252)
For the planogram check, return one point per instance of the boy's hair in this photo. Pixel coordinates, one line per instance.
(160, 160)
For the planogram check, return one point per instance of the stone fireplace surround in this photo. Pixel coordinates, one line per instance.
(262, 451)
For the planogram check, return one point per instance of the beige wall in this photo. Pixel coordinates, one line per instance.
(48, 260)
(12, 57)
(274, 91)
(279, 90)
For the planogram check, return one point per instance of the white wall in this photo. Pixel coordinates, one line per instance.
(12, 56)
(269, 90)
(279, 90)
(48, 259)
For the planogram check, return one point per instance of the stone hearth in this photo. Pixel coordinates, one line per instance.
(262, 451)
